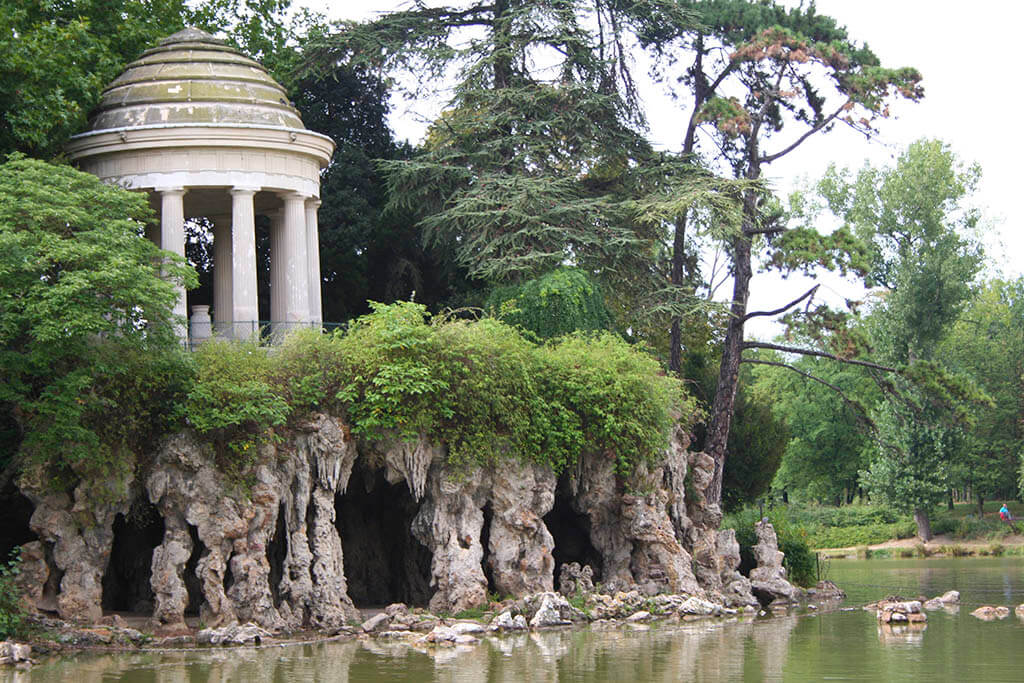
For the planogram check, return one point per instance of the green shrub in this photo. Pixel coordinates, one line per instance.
(484, 391)
(232, 400)
(12, 614)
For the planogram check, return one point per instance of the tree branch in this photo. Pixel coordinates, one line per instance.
(768, 158)
(791, 304)
(819, 354)
(858, 409)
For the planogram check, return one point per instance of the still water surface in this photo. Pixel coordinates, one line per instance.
(837, 645)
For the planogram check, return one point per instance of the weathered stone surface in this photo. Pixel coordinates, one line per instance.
(736, 589)
(76, 531)
(903, 611)
(378, 622)
(273, 555)
(33, 577)
(12, 653)
(449, 523)
(990, 613)
(768, 580)
(298, 481)
(575, 580)
(506, 622)
(945, 600)
(167, 578)
(520, 545)
(598, 495)
(552, 610)
(235, 634)
(703, 520)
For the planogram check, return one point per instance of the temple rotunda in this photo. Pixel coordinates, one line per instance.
(206, 132)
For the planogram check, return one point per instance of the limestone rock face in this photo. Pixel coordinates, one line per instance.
(270, 552)
(520, 545)
(449, 523)
(76, 533)
(575, 580)
(190, 491)
(768, 579)
(736, 588)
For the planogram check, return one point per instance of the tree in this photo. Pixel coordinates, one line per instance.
(759, 74)
(534, 165)
(987, 343)
(824, 405)
(56, 58)
(367, 254)
(924, 255)
(80, 291)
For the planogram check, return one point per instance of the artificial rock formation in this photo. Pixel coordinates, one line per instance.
(271, 548)
(768, 579)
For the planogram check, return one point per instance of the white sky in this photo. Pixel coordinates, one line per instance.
(972, 101)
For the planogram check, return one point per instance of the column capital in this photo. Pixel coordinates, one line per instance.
(295, 196)
(170, 191)
(243, 190)
(313, 203)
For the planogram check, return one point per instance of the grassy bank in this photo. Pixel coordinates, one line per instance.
(862, 526)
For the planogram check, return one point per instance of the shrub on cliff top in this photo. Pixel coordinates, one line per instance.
(483, 390)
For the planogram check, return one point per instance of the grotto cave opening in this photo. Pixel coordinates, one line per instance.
(571, 532)
(384, 563)
(126, 586)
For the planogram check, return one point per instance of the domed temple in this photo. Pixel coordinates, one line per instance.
(208, 133)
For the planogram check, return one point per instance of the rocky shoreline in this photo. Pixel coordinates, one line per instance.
(415, 627)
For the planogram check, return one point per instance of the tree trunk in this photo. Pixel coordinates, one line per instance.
(981, 505)
(678, 257)
(949, 503)
(924, 525)
(729, 372)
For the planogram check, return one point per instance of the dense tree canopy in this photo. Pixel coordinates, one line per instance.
(75, 268)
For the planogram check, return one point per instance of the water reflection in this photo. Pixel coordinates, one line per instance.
(841, 645)
(703, 651)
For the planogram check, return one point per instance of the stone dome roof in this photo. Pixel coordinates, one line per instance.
(192, 78)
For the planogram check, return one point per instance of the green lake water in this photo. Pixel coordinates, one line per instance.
(844, 644)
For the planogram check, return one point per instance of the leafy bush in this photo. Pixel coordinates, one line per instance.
(484, 391)
(12, 614)
(232, 400)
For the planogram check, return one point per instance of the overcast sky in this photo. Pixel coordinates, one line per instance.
(965, 54)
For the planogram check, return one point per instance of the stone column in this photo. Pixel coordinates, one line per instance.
(313, 256)
(172, 239)
(223, 265)
(296, 260)
(244, 304)
(278, 269)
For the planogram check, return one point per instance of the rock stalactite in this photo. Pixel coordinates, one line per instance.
(270, 549)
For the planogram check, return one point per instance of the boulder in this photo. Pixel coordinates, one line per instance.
(991, 613)
(12, 653)
(945, 600)
(235, 634)
(506, 622)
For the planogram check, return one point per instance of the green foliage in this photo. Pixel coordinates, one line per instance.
(481, 389)
(233, 401)
(12, 613)
(828, 443)
(562, 301)
(81, 302)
